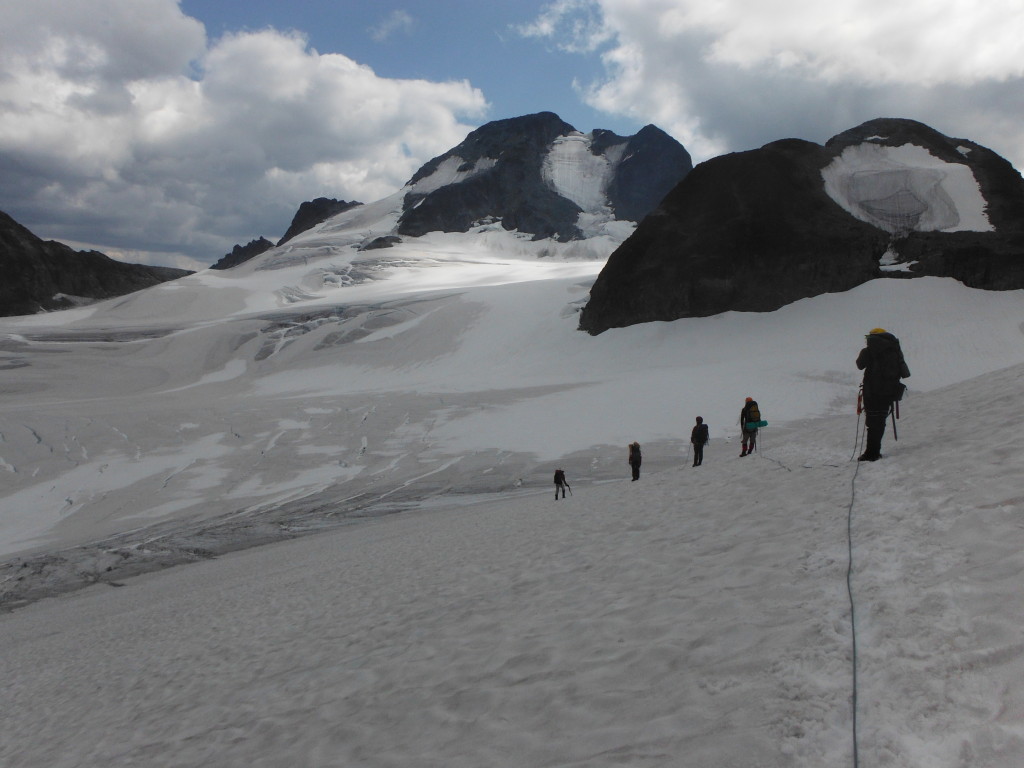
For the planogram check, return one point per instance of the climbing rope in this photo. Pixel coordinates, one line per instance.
(857, 441)
(849, 588)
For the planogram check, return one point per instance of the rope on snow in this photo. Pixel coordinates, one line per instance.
(849, 590)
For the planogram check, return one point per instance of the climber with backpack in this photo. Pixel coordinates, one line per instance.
(634, 459)
(561, 483)
(750, 422)
(883, 365)
(698, 439)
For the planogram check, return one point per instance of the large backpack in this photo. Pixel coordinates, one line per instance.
(753, 412)
(750, 416)
(882, 381)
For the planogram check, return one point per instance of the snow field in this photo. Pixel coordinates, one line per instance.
(698, 616)
(470, 389)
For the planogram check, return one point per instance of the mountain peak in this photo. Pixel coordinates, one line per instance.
(539, 175)
(498, 137)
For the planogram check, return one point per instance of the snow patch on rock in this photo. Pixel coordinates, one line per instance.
(576, 173)
(904, 189)
(451, 171)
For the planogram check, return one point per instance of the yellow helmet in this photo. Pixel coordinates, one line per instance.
(877, 330)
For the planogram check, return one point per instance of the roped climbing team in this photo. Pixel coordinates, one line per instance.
(881, 391)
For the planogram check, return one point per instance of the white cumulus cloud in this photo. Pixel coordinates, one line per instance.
(124, 124)
(733, 74)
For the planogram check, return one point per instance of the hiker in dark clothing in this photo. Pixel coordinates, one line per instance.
(750, 415)
(560, 483)
(883, 365)
(634, 459)
(698, 439)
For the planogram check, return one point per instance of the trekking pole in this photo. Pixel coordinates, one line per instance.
(892, 412)
(570, 488)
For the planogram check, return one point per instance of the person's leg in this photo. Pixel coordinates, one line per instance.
(875, 423)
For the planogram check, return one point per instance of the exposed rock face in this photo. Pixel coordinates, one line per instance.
(753, 231)
(652, 164)
(310, 213)
(537, 174)
(313, 212)
(38, 275)
(242, 253)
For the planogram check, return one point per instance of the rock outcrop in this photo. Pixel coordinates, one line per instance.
(753, 231)
(313, 212)
(38, 275)
(242, 253)
(310, 213)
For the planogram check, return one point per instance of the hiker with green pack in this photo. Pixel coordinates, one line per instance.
(750, 422)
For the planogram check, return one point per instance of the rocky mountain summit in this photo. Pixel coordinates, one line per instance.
(40, 275)
(753, 231)
(539, 175)
(534, 177)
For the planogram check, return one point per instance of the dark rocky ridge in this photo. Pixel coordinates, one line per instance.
(513, 190)
(242, 253)
(313, 212)
(310, 213)
(753, 231)
(37, 275)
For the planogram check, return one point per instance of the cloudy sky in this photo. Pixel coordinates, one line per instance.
(166, 131)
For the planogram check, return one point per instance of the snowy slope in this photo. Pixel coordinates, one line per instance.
(318, 372)
(698, 617)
